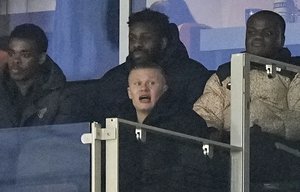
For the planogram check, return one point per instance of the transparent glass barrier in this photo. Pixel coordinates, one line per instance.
(274, 163)
(265, 97)
(166, 162)
(274, 153)
(45, 158)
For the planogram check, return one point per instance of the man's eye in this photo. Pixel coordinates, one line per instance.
(268, 33)
(137, 83)
(26, 55)
(10, 53)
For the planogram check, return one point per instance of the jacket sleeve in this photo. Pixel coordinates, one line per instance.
(212, 105)
(293, 94)
(291, 123)
(292, 116)
(266, 116)
(282, 122)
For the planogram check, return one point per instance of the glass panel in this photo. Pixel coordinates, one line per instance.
(274, 163)
(206, 28)
(45, 158)
(164, 163)
(274, 143)
(83, 36)
(219, 14)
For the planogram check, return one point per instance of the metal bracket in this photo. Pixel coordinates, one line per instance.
(140, 135)
(98, 134)
(208, 150)
(271, 70)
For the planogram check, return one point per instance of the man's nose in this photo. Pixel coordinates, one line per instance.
(258, 35)
(137, 43)
(15, 58)
(144, 87)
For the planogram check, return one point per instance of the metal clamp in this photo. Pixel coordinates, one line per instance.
(98, 133)
(140, 135)
(208, 150)
(271, 70)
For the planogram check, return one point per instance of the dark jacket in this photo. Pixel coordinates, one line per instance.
(45, 104)
(163, 163)
(186, 77)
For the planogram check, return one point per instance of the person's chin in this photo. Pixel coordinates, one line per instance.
(258, 52)
(16, 77)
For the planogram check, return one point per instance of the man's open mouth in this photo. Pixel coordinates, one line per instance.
(145, 98)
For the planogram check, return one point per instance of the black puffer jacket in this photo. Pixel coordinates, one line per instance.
(186, 77)
(46, 103)
(163, 163)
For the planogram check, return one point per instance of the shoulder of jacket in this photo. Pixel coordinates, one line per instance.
(116, 71)
(214, 82)
(223, 71)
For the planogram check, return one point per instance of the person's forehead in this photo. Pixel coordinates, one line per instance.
(145, 73)
(21, 42)
(263, 21)
(143, 27)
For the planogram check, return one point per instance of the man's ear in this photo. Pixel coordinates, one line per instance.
(129, 93)
(164, 43)
(42, 58)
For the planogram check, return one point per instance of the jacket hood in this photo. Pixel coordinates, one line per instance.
(175, 49)
(52, 76)
(283, 55)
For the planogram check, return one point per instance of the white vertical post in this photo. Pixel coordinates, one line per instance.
(123, 31)
(239, 133)
(110, 135)
(112, 157)
(93, 138)
(96, 158)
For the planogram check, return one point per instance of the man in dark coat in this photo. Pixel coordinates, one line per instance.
(153, 38)
(32, 85)
(161, 163)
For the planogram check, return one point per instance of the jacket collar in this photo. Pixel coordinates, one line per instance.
(167, 105)
(53, 76)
